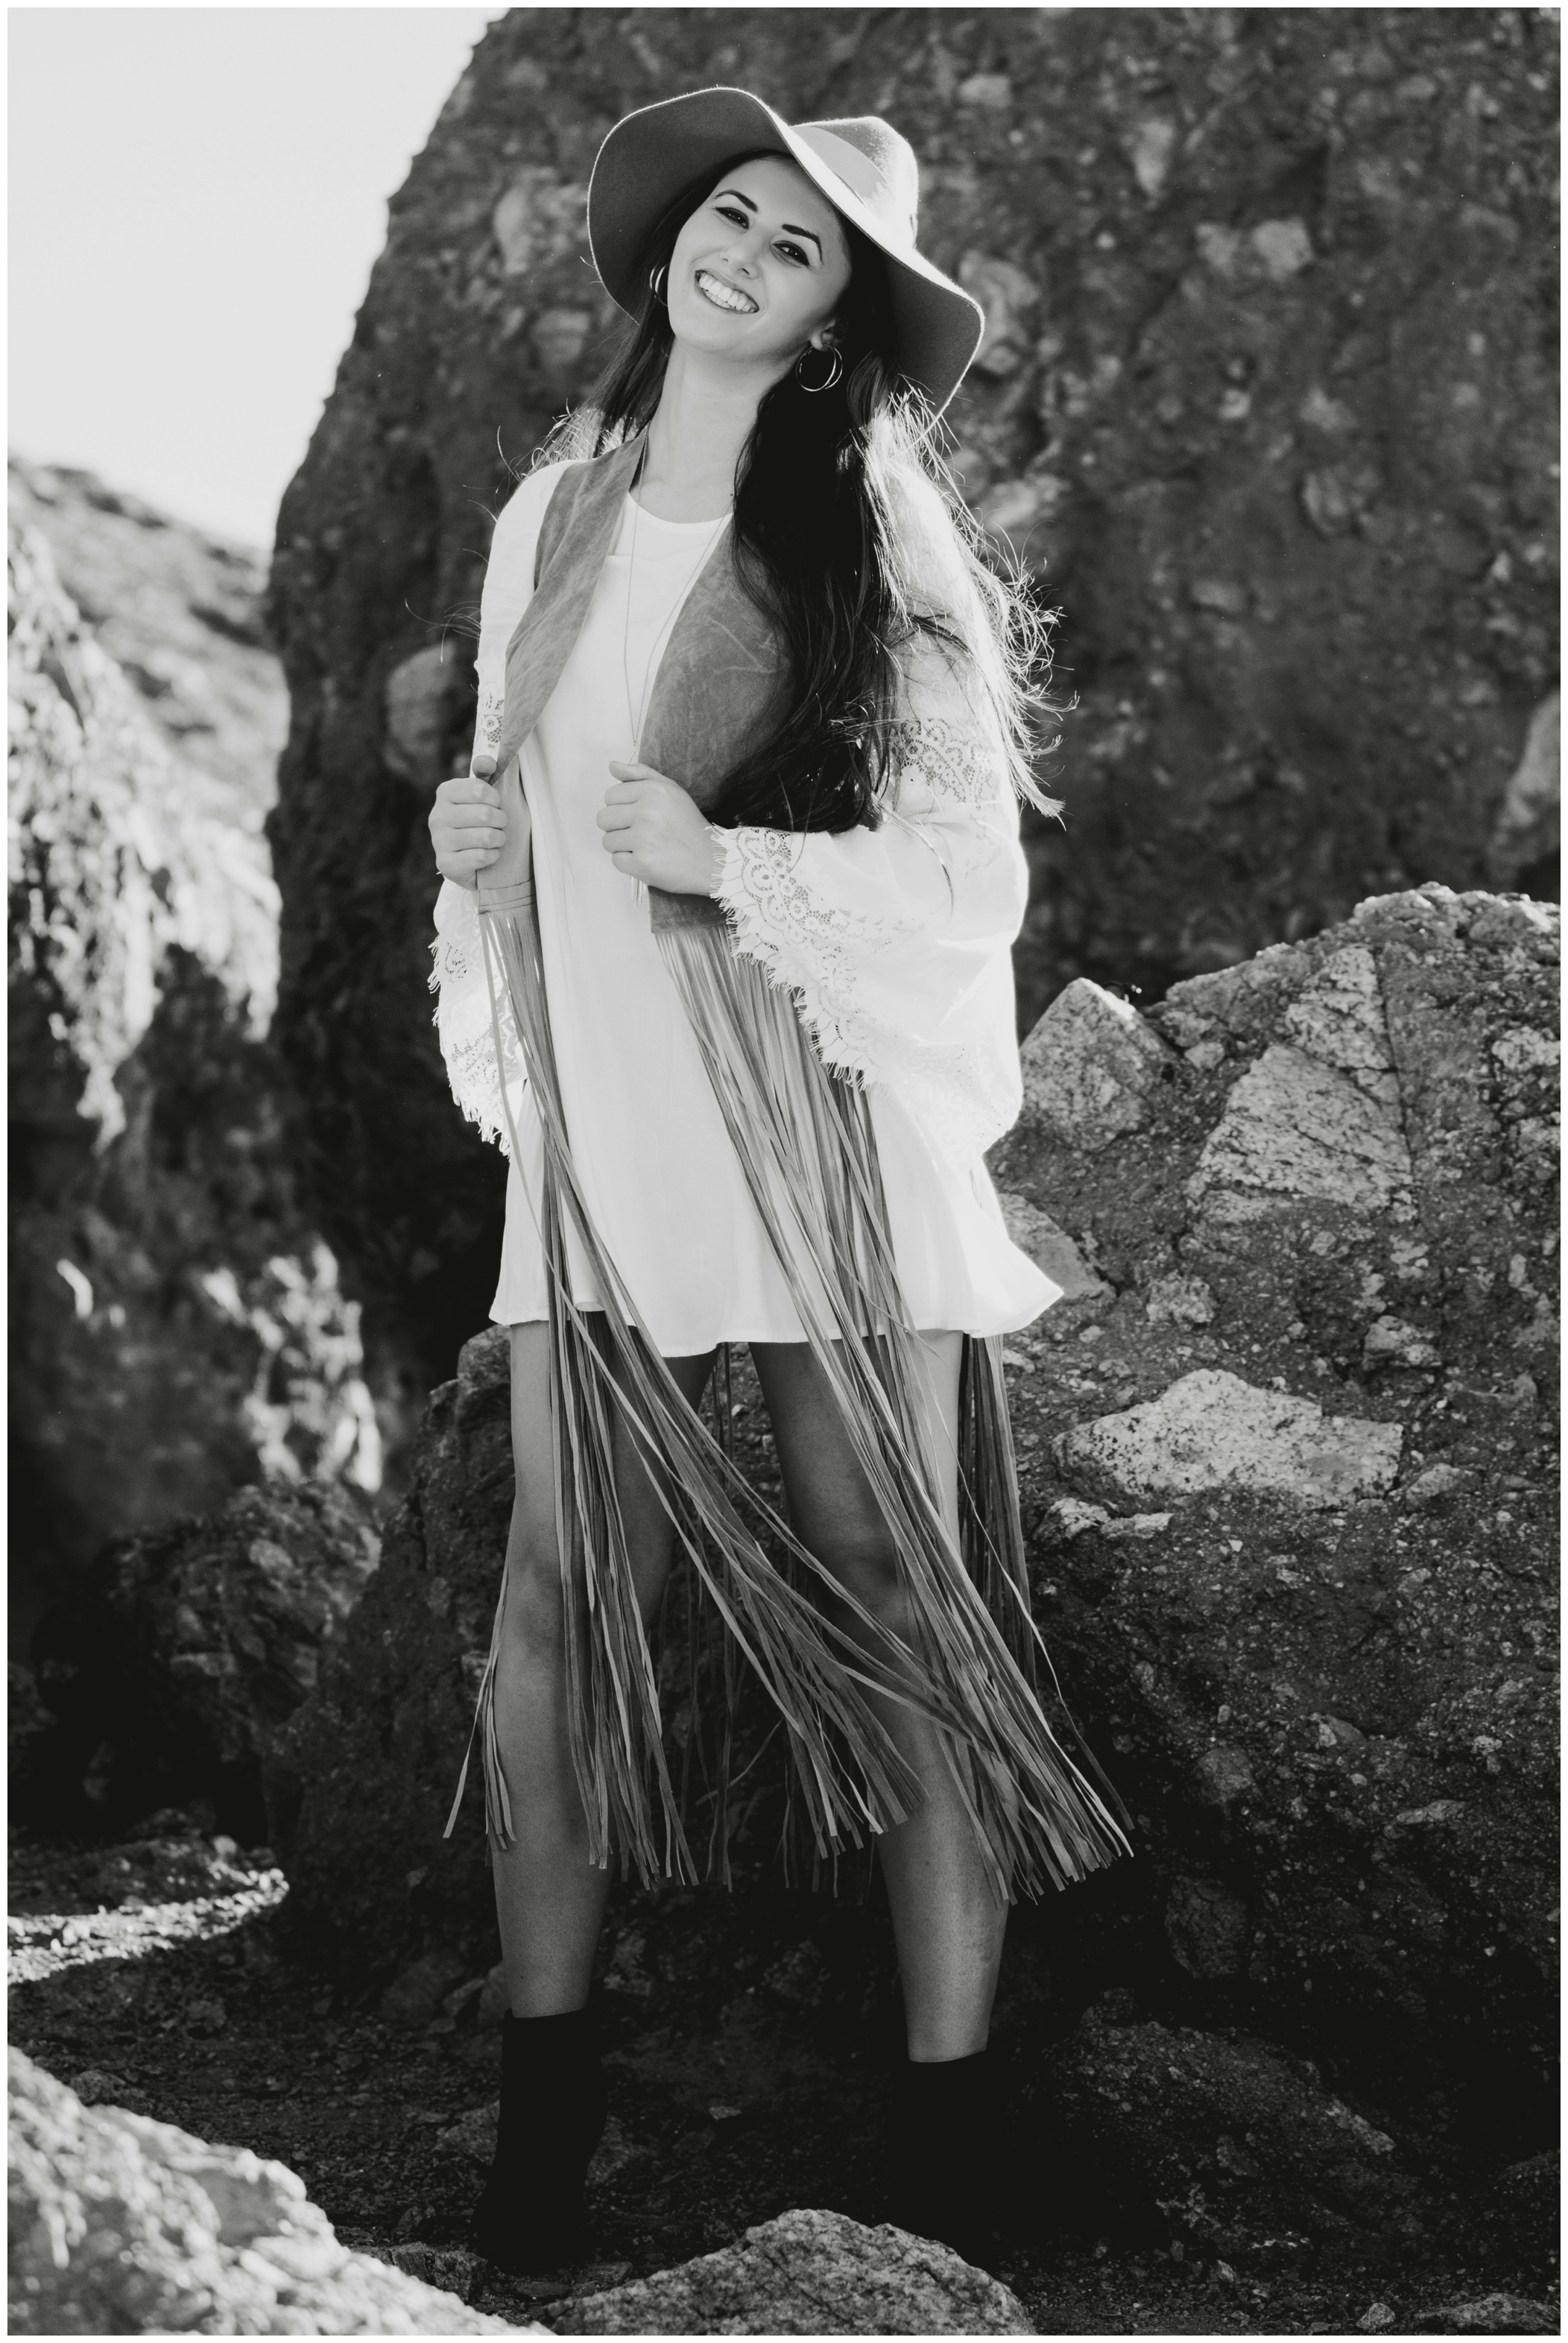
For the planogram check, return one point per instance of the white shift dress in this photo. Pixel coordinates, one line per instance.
(660, 1177)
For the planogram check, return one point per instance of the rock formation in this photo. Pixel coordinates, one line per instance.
(178, 1326)
(186, 1650)
(1287, 1470)
(1263, 402)
(807, 2274)
(121, 2226)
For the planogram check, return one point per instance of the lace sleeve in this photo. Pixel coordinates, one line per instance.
(895, 942)
(463, 1019)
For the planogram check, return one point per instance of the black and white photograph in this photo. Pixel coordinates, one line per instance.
(784, 986)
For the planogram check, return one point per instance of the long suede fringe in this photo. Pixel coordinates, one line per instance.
(804, 1138)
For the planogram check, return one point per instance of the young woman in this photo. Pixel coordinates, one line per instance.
(723, 962)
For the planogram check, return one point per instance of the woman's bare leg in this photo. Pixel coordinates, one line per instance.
(549, 1898)
(948, 1923)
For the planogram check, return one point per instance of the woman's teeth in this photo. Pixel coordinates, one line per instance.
(722, 296)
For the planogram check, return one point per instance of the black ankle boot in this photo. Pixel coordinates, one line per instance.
(945, 2153)
(529, 2216)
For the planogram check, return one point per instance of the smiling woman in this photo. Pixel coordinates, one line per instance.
(743, 1019)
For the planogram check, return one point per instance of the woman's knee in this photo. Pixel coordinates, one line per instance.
(533, 1616)
(866, 1566)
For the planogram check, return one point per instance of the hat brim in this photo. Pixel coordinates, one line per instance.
(651, 154)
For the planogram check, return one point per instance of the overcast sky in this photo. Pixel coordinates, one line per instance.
(197, 195)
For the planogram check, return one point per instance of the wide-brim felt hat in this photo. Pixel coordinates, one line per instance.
(862, 166)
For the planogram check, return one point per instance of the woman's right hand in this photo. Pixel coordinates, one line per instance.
(468, 825)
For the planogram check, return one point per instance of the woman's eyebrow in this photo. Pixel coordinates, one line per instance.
(787, 225)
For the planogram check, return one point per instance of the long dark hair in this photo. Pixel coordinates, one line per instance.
(850, 535)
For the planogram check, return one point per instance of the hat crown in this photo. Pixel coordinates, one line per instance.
(875, 163)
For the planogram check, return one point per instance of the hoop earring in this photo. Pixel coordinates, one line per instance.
(655, 279)
(834, 372)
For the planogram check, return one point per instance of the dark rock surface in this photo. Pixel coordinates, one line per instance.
(178, 1328)
(1291, 1493)
(1237, 2146)
(188, 1646)
(1267, 385)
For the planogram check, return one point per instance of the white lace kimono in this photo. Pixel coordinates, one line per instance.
(894, 943)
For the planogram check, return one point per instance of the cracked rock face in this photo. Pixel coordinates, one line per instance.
(1326, 1678)
(1211, 1431)
(122, 2225)
(178, 1325)
(1263, 402)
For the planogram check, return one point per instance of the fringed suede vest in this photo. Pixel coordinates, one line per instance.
(804, 1136)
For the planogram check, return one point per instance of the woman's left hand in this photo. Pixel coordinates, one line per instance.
(653, 832)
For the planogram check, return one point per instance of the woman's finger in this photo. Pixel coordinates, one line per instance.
(462, 790)
(615, 816)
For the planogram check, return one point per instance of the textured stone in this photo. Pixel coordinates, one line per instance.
(190, 1645)
(1180, 1302)
(1211, 1431)
(1050, 1248)
(1089, 1066)
(1394, 1343)
(178, 1328)
(1338, 1017)
(122, 2225)
(1294, 1128)
(1274, 1684)
(1207, 1927)
(1239, 2146)
(1490, 2314)
(806, 2273)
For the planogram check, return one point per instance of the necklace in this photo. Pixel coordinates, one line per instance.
(637, 713)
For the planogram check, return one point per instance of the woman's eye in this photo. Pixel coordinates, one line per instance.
(793, 252)
(731, 212)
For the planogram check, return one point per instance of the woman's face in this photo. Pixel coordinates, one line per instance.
(760, 267)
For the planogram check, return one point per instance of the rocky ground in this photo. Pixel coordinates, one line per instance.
(160, 1976)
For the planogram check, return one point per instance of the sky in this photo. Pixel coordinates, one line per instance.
(197, 195)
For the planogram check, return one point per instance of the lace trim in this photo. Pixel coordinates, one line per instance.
(463, 1019)
(964, 1093)
(487, 725)
(936, 759)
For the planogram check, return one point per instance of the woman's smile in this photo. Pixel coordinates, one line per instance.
(723, 296)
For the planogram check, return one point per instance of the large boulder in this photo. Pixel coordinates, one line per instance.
(360, 1780)
(178, 1326)
(188, 1646)
(1262, 383)
(1231, 2145)
(122, 2225)
(1288, 1486)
